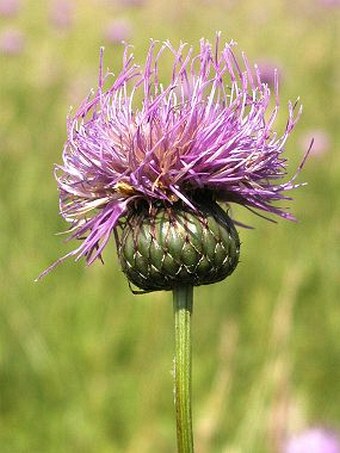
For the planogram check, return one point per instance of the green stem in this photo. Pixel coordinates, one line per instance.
(183, 296)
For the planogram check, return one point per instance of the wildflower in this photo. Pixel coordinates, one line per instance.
(12, 41)
(269, 71)
(131, 2)
(329, 3)
(321, 142)
(147, 161)
(61, 14)
(314, 441)
(9, 8)
(117, 31)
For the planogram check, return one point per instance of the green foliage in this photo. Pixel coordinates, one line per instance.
(85, 366)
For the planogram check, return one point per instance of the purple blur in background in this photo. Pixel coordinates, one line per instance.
(329, 3)
(117, 31)
(61, 14)
(9, 8)
(321, 142)
(12, 41)
(314, 441)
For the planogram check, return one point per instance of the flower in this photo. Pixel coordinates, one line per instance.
(269, 70)
(117, 31)
(320, 139)
(131, 2)
(12, 41)
(314, 440)
(206, 133)
(61, 14)
(329, 3)
(9, 8)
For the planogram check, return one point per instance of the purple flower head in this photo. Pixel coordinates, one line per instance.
(9, 8)
(269, 71)
(131, 2)
(12, 41)
(329, 3)
(314, 441)
(117, 31)
(320, 139)
(207, 130)
(61, 14)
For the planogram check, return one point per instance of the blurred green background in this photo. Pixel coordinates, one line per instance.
(85, 366)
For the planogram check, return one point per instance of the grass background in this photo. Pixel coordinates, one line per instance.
(85, 366)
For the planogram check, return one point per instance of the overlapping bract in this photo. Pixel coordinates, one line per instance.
(209, 128)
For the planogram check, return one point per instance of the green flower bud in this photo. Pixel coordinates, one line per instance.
(165, 246)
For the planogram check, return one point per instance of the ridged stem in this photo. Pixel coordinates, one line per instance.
(183, 298)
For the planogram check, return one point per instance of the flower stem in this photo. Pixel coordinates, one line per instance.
(183, 297)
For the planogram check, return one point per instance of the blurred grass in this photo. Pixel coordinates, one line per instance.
(84, 365)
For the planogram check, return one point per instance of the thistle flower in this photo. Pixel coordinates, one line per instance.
(61, 14)
(269, 71)
(329, 3)
(9, 8)
(315, 440)
(144, 154)
(131, 2)
(149, 161)
(12, 41)
(321, 142)
(117, 31)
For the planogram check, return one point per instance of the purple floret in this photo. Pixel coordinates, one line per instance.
(209, 129)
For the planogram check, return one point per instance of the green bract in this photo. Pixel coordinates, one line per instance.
(166, 246)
